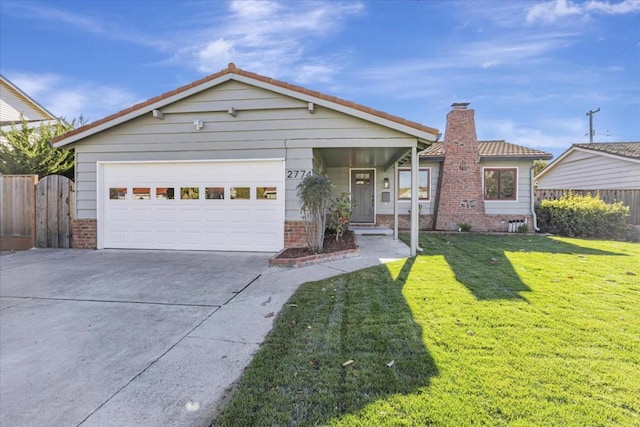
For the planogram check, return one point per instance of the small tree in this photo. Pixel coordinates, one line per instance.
(28, 150)
(341, 214)
(314, 193)
(538, 166)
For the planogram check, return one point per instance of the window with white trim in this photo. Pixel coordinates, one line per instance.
(404, 183)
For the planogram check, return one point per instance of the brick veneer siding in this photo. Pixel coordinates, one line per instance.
(294, 235)
(404, 222)
(461, 197)
(84, 233)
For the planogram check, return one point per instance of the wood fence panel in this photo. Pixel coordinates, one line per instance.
(630, 198)
(17, 211)
(53, 212)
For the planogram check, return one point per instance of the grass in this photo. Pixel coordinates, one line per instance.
(482, 330)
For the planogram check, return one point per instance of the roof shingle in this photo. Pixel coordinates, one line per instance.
(493, 149)
(623, 149)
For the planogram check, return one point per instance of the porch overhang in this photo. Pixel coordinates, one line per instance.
(368, 156)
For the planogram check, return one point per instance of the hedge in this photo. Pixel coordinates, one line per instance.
(582, 216)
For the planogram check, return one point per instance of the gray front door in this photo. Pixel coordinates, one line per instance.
(362, 191)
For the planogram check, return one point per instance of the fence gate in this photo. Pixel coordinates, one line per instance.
(17, 211)
(54, 208)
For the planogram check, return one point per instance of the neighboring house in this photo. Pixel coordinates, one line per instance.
(16, 104)
(611, 169)
(214, 165)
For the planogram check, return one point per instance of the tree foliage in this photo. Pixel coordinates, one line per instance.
(314, 193)
(538, 166)
(28, 150)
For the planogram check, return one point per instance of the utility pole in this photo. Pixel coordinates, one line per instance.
(590, 113)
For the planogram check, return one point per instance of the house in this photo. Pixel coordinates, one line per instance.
(610, 169)
(214, 165)
(16, 104)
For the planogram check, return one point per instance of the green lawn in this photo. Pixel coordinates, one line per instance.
(481, 330)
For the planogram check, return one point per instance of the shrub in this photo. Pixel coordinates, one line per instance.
(582, 216)
(524, 229)
(464, 226)
(341, 214)
(314, 193)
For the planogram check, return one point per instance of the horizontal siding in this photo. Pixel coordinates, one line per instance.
(11, 106)
(522, 206)
(267, 125)
(585, 171)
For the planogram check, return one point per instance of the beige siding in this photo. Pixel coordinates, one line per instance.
(521, 206)
(592, 171)
(11, 106)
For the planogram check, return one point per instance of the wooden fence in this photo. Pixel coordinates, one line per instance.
(17, 211)
(630, 198)
(36, 213)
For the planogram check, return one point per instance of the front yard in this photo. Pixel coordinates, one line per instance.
(478, 330)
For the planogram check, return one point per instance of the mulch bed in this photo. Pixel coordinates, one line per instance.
(347, 241)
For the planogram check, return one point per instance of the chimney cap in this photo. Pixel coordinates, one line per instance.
(460, 105)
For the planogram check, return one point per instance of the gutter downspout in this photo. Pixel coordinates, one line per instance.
(533, 201)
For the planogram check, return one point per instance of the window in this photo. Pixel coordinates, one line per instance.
(269, 193)
(500, 184)
(240, 193)
(363, 178)
(119, 193)
(214, 193)
(167, 193)
(141, 193)
(189, 193)
(404, 184)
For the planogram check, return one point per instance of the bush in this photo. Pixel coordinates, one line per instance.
(582, 216)
(341, 214)
(464, 226)
(314, 193)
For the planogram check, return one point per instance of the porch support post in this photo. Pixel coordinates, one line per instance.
(395, 201)
(415, 215)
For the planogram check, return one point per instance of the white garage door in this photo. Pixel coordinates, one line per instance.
(231, 206)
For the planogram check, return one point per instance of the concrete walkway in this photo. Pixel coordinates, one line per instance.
(107, 350)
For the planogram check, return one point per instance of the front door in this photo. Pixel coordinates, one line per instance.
(363, 192)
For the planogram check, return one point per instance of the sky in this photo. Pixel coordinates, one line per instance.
(530, 69)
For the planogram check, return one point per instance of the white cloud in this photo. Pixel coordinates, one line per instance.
(551, 11)
(71, 98)
(545, 134)
(269, 37)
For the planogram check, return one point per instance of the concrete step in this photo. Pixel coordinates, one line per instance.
(365, 230)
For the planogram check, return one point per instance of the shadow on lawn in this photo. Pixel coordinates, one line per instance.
(298, 376)
(480, 263)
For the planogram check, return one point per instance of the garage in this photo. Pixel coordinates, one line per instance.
(196, 205)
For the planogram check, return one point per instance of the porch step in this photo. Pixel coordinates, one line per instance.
(371, 230)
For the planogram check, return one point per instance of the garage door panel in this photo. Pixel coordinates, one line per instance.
(200, 223)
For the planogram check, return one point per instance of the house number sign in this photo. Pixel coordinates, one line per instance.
(298, 173)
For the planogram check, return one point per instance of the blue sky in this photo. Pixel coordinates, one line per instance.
(531, 69)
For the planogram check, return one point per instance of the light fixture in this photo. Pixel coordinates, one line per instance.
(386, 182)
(198, 124)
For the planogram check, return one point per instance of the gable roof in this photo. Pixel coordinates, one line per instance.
(233, 73)
(621, 150)
(499, 149)
(629, 150)
(20, 96)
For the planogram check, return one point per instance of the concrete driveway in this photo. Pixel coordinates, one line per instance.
(125, 337)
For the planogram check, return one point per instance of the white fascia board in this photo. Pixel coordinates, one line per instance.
(144, 110)
(426, 136)
(554, 163)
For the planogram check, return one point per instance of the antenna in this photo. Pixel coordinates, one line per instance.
(590, 113)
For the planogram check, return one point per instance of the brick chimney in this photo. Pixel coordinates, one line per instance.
(461, 197)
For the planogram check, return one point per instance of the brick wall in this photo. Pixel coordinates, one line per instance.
(84, 232)
(461, 197)
(294, 235)
(404, 221)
